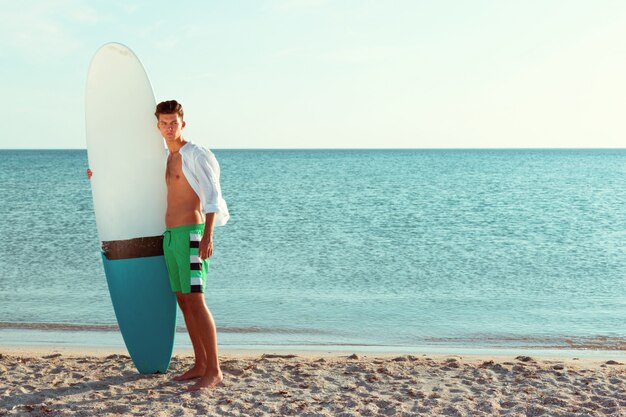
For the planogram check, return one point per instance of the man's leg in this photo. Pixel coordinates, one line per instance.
(199, 351)
(203, 328)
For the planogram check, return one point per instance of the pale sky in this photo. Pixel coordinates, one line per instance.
(330, 73)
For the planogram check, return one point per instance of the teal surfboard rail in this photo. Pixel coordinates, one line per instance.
(145, 308)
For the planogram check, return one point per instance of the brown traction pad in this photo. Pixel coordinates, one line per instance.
(140, 247)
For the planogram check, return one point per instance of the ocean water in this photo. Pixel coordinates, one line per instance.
(393, 249)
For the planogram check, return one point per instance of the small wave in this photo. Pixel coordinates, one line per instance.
(113, 328)
(271, 330)
(538, 342)
(60, 327)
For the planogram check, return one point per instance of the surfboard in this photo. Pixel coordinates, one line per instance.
(127, 156)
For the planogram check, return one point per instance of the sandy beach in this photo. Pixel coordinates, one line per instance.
(59, 382)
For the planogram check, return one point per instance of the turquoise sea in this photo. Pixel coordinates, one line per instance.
(349, 249)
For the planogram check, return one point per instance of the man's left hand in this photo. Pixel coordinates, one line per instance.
(206, 248)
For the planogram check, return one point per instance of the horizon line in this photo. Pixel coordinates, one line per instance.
(357, 149)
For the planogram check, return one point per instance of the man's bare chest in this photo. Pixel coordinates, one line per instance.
(174, 169)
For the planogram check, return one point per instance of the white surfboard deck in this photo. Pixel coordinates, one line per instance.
(126, 151)
(127, 156)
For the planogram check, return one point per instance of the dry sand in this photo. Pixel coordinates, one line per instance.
(314, 384)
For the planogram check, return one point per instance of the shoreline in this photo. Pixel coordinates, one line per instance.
(541, 346)
(246, 352)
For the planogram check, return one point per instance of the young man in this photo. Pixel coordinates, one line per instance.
(194, 206)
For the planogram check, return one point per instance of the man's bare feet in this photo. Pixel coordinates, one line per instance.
(193, 373)
(207, 382)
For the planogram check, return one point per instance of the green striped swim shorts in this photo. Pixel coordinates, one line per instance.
(180, 246)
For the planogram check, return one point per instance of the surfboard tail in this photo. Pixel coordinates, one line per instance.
(145, 308)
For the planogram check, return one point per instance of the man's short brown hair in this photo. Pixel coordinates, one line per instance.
(169, 107)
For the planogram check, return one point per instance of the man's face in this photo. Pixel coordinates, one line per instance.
(171, 126)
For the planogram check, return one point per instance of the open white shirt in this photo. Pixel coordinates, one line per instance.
(203, 174)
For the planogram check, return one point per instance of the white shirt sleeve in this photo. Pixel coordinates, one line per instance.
(208, 174)
(202, 171)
